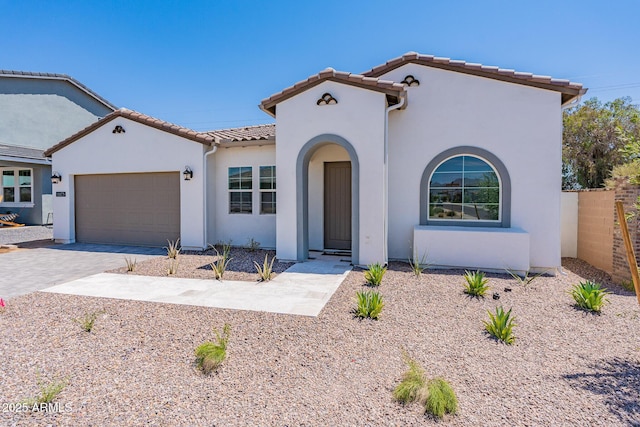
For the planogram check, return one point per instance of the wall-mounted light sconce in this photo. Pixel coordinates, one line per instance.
(56, 178)
(188, 173)
(118, 129)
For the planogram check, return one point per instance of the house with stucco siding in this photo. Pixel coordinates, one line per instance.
(455, 161)
(37, 110)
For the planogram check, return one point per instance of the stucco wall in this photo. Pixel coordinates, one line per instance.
(569, 224)
(140, 149)
(240, 228)
(30, 213)
(520, 125)
(358, 117)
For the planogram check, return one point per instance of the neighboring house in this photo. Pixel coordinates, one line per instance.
(456, 161)
(36, 111)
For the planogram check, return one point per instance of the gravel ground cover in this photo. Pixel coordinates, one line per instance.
(35, 233)
(137, 367)
(197, 265)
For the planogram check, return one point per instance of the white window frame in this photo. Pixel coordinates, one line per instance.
(16, 187)
(271, 190)
(462, 203)
(240, 190)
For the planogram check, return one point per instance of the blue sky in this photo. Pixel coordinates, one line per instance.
(207, 64)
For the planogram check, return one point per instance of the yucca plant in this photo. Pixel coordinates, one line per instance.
(131, 263)
(210, 355)
(418, 265)
(589, 296)
(412, 387)
(219, 266)
(370, 304)
(500, 325)
(265, 271)
(173, 250)
(374, 274)
(526, 279)
(476, 283)
(173, 267)
(441, 399)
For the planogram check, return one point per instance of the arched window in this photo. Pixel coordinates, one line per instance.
(465, 186)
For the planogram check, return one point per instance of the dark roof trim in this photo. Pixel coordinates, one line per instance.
(201, 137)
(569, 90)
(394, 91)
(64, 77)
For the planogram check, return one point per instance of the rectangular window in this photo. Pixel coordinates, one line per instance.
(267, 189)
(240, 190)
(16, 185)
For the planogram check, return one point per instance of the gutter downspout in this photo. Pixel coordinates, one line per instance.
(204, 191)
(403, 99)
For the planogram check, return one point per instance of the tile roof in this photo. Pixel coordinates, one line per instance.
(367, 82)
(201, 137)
(248, 133)
(21, 152)
(54, 76)
(569, 90)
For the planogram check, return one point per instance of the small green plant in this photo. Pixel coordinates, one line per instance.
(87, 321)
(418, 265)
(476, 283)
(265, 271)
(173, 250)
(412, 387)
(173, 267)
(253, 245)
(526, 279)
(500, 325)
(219, 266)
(374, 274)
(131, 263)
(210, 355)
(48, 391)
(589, 296)
(441, 399)
(627, 285)
(370, 304)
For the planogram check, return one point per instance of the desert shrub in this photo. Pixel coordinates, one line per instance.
(370, 304)
(265, 271)
(131, 263)
(219, 266)
(49, 390)
(253, 245)
(476, 283)
(589, 296)
(374, 274)
(412, 387)
(441, 399)
(173, 249)
(210, 355)
(87, 321)
(500, 325)
(418, 264)
(526, 279)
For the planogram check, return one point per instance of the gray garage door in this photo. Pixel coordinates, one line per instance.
(128, 209)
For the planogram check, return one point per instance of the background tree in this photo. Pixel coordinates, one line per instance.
(594, 139)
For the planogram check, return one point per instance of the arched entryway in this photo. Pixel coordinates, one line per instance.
(336, 187)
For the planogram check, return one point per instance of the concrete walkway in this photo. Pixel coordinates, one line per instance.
(303, 289)
(26, 270)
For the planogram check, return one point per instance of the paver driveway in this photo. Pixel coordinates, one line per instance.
(27, 270)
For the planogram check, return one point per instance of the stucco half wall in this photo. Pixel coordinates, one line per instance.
(140, 149)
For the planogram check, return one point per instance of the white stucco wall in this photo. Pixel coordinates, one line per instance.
(140, 149)
(359, 118)
(520, 125)
(569, 219)
(240, 228)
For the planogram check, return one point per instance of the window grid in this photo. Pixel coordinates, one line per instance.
(464, 188)
(16, 185)
(240, 190)
(267, 189)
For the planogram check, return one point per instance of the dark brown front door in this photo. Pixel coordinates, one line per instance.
(337, 205)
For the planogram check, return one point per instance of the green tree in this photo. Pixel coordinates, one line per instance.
(596, 137)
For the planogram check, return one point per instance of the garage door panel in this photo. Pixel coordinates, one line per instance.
(136, 209)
